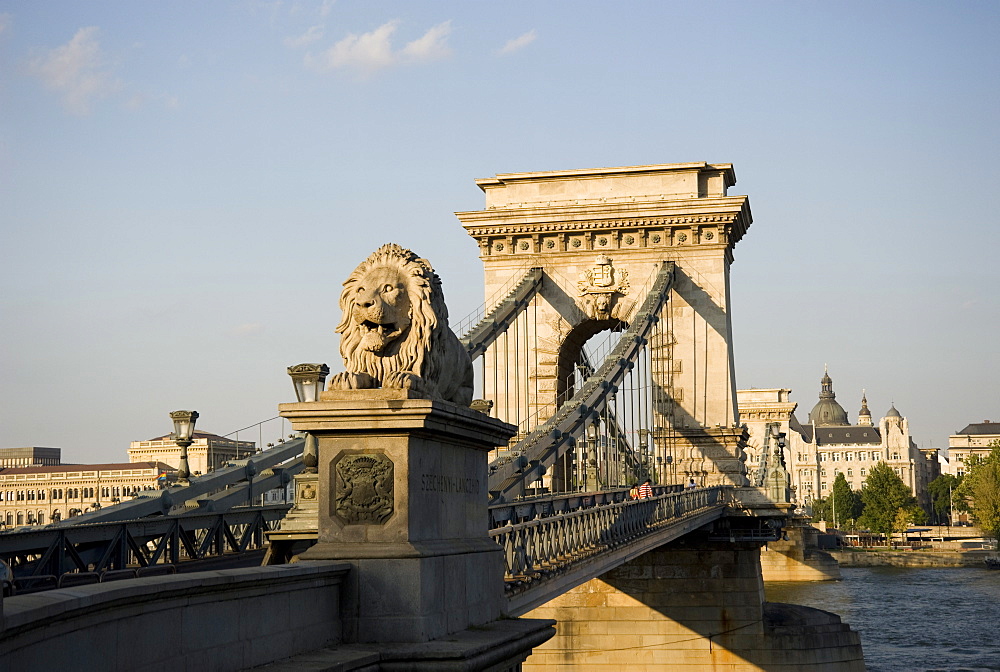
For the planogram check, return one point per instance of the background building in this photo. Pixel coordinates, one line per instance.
(207, 452)
(974, 439)
(828, 444)
(35, 488)
(29, 457)
(40, 495)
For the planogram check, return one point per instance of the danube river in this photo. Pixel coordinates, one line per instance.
(912, 620)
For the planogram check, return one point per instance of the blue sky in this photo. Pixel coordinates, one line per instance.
(184, 186)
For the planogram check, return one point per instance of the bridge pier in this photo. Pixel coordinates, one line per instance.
(694, 604)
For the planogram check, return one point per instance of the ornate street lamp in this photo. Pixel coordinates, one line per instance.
(183, 431)
(309, 381)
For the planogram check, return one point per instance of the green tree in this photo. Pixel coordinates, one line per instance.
(901, 523)
(822, 510)
(883, 495)
(941, 490)
(846, 501)
(981, 490)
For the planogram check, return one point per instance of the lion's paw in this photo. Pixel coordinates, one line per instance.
(403, 380)
(352, 381)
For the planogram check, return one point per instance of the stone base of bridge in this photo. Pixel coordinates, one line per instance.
(694, 604)
(797, 557)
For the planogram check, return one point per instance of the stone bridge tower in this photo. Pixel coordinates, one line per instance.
(600, 235)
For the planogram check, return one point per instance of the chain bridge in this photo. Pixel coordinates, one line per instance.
(603, 359)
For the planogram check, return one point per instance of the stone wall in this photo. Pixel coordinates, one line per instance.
(912, 558)
(223, 620)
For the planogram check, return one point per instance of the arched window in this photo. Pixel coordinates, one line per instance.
(56, 515)
(40, 517)
(20, 518)
(10, 518)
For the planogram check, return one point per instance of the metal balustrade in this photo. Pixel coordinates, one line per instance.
(137, 544)
(548, 536)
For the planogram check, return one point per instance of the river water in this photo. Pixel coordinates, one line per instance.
(912, 620)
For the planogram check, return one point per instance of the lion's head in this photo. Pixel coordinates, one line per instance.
(395, 320)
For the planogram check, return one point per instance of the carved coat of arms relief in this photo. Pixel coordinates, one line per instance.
(363, 486)
(600, 285)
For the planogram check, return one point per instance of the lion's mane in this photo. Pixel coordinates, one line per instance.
(429, 349)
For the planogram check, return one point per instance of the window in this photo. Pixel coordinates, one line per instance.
(822, 457)
(895, 456)
(874, 456)
(822, 486)
(835, 456)
(848, 457)
(822, 472)
(850, 472)
(864, 472)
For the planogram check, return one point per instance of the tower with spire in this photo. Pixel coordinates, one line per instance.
(864, 415)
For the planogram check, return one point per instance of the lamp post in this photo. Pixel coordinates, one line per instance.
(183, 431)
(309, 381)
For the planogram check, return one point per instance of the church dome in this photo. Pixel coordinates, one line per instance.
(827, 411)
(893, 413)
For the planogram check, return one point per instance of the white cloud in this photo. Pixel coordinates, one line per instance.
(305, 39)
(326, 8)
(373, 51)
(518, 42)
(367, 52)
(431, 46)
(76, 70)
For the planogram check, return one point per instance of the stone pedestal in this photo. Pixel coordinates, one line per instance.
(711, 456)
(402, 496)
(299, 528)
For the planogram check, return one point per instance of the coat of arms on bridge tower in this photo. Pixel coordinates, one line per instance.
(600, 285)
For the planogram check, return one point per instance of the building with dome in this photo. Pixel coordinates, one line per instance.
(828, 443)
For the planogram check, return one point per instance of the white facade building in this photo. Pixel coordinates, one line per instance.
(828, 444)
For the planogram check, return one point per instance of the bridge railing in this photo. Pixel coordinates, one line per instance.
(538, 540)
(136, 544)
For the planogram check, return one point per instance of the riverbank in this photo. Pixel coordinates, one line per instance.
(910, 558)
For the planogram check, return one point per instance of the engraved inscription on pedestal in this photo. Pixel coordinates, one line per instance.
(363, 489)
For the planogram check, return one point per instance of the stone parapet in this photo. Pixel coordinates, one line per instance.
(223, 620)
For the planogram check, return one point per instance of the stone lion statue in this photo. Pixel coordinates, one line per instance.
(394, 332)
